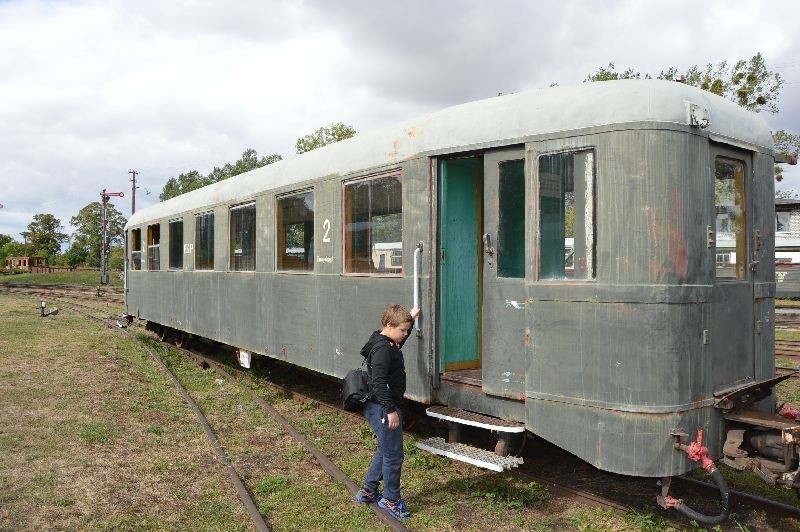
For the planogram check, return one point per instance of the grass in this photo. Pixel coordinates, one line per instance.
(786, 303)
(94, 436)
(88, 277)
(787, 334)
(75, 450)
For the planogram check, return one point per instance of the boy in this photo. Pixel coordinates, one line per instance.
(387, 383)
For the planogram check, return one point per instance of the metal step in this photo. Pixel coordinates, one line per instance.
(469, 454)
(456, 415)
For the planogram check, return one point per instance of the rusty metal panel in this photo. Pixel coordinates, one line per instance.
(628, 443)
(503, 276)
(318, 321)
(732, 322)
(634, 357)
(787, 281)
(763, 194)
(504, 361)
(619, 362)
(239, 307)
(611, 365)
(652, 205)
(294, 319)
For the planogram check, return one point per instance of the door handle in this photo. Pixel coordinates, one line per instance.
(487, 244)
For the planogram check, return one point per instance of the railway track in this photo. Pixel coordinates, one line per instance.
(787, 348)
(787, 319)
(326, 397)
(258, 520)
(109, 295)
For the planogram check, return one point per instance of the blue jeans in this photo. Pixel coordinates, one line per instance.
(387, 462)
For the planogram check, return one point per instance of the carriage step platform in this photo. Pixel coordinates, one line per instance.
(456, 415)
(469, 454)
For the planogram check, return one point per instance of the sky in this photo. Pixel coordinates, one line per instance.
(92, 89)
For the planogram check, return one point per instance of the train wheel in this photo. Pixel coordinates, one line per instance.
(508, 443)
(161, 332)
(503, 443)
(181, 339)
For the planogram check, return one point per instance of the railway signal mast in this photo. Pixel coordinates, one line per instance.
(105, 248)
(133, 190)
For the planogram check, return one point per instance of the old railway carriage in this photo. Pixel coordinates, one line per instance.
(643, 337)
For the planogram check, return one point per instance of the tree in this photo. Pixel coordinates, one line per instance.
(323, 136)
(785, 194)
(193, 180)
(249, 161)
(76, 255)
(116, 259)
(87, 244)
(8, 248)
(610, 73)
(187, 182)
(45, 235)
(749, 83)
(785, 143)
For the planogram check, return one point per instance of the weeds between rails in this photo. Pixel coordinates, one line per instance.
(514, 498)
(494, 489)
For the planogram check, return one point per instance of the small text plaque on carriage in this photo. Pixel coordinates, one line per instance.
(326, 260)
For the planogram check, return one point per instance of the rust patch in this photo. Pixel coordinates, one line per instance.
(677, 243)
(679, 263)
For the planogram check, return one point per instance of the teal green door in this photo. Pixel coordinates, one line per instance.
(460, 224)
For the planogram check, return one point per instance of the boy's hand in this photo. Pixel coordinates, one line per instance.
(392, 420)
(414, 312)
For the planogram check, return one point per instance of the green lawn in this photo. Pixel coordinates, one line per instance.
(87, 277)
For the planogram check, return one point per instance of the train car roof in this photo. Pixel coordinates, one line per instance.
(510, 118)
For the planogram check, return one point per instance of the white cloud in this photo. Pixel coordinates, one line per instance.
(91, 88)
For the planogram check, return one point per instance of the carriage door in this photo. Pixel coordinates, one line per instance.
(482, 269)
(504, 295)
(731, 332)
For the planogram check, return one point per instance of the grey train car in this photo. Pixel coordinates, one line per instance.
(787, 280)
(620, 358)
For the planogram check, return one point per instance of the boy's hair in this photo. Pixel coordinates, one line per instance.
(395, 315)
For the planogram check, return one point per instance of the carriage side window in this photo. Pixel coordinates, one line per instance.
(566, 215)
(243, 237)
(729, 206)
(511, 229)
(136, 249)
(204, 241)
(783, 222)
(295, 217)
(176, 244)
(154, 247)
(373, 226)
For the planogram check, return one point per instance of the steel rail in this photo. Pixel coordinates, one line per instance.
(591, 498)
(327, 465)
(233, 475)
(322, 459)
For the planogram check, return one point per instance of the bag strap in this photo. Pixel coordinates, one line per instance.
(367, 360)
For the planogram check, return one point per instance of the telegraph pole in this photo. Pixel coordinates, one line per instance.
(133, 190)
(104, 248)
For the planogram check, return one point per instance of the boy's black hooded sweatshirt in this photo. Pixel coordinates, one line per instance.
(387, 371)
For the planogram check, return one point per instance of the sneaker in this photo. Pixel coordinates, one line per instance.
(365, 495)
(396, 509)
